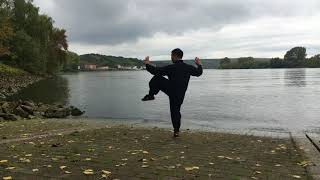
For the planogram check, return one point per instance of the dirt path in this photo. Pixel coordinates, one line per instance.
(47, 134)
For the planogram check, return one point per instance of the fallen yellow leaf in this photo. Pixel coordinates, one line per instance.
(63, 167)
(145, 166)
(3, 161)
(67, 172)
(296, 176)
(10, 168)
(35, 170)
(7, 178)
(25, 160)
(88, 172)
(106, 172)
(303, 163)
(191, 168)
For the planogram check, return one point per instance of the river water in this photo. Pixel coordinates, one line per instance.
(261, 99)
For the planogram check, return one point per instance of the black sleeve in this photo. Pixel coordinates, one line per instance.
(161, 71)
(196, 71)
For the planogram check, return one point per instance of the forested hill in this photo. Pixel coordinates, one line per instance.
(111, 61)
(207, 63)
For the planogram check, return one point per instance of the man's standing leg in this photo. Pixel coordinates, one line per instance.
(175, 106)
(156, 84)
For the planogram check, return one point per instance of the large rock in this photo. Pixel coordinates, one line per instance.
(57, 113)
(42, 108)
(2, 96)
(9, 117)
(6, 108)
(28, 103)
(75, 111)
(20, 112)
(38, 114)
(28, 109)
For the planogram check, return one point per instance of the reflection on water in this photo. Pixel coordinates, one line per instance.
(53, 90)
(295, 77)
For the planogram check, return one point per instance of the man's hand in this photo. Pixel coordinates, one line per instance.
(197, 61)
(146, 60)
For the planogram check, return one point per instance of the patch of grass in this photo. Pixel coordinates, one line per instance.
(5, 69)
(141, 153)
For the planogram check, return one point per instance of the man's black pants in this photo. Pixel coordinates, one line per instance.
(159, 83)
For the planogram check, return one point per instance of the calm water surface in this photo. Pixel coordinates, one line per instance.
(268, 99)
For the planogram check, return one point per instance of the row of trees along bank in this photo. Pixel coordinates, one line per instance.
(294, 58)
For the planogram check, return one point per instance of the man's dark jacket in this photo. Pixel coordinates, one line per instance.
(179, 75)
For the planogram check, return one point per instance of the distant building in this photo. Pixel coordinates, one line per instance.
(103, 68)
(90, 67)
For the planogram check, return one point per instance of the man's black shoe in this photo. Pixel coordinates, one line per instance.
(176, 134)
(148, 98)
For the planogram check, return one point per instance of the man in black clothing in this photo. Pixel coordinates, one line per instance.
(176, 86)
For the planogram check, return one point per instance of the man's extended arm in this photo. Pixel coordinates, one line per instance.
(161, 71)
(196, 71)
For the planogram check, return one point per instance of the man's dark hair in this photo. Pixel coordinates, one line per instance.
(178, 52)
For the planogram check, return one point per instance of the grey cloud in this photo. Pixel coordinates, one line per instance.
(122, 21)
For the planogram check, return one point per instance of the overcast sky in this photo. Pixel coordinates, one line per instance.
(204, 28)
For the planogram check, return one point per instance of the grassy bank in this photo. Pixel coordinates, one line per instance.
(13, 80)
(122, 152)
(5, 69)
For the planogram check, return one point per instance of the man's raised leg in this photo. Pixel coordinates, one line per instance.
(156, 84)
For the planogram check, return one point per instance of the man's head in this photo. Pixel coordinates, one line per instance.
(176, 55)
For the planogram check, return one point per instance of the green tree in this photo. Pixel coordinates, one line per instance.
(246, 62)
(295, 57)
(58, 47)
(35, 44)
(313, 62)
(225, 63)
(225, 60)
(72, 62)
(276, 63)
(6, 29)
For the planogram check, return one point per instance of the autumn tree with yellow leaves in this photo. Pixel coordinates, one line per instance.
(29, 40)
